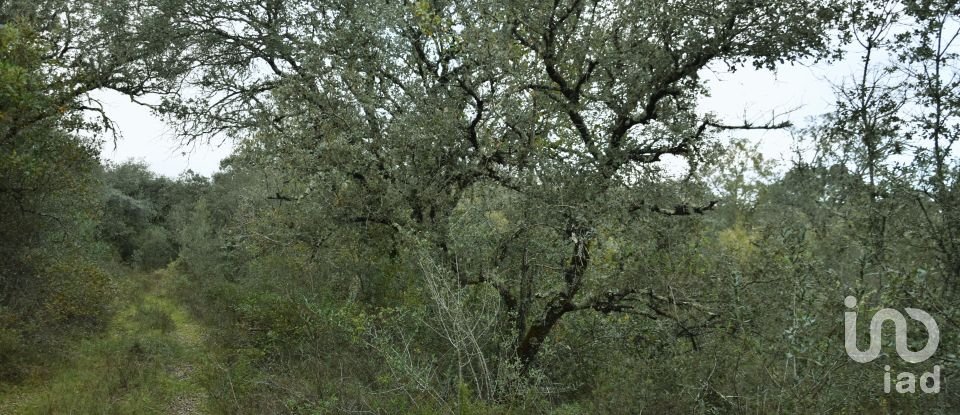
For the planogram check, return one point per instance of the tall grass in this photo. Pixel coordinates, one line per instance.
(135, 367)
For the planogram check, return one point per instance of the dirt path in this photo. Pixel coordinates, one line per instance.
(148, 362)
(190, 397)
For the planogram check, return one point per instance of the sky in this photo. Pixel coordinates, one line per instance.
(147, 138)
(794, 92)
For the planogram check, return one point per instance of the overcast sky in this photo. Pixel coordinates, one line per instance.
(801, 91)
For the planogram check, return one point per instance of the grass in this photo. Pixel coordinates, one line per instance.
(143, 364)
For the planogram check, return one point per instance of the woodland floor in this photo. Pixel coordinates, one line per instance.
(148, 361)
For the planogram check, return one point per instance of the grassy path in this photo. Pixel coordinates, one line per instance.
(147, 362)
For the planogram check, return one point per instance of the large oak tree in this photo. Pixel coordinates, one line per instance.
(391, 114)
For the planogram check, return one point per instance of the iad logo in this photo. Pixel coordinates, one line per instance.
(906, 381)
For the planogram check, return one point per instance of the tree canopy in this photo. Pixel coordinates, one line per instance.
(472, 206)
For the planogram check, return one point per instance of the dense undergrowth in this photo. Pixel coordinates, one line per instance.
(146, 361)
(474, 207)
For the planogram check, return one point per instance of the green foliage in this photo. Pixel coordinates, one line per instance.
(440, 207)
(76, 292)
(54, 283)
(11, 351)
(155, 248)
(141, 213)
(49, 283)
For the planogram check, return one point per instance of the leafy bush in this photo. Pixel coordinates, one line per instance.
(77, 292)
(11, 350)
(155, 249)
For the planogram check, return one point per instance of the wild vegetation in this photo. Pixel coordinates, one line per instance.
(472, 207)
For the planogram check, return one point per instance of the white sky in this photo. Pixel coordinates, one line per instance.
(799, 91)
(794, 93)
(145, 137)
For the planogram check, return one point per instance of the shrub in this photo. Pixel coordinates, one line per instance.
(154, 248)
(76, 292)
